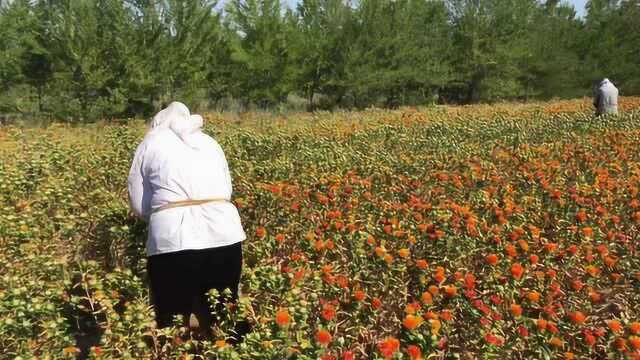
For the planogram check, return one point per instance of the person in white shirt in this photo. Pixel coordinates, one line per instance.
(180, 184)
(606, 98)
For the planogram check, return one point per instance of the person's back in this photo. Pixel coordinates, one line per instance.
(177, 172)
(180, 183)
(606, 100)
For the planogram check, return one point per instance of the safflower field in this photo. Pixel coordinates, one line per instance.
(505, 231)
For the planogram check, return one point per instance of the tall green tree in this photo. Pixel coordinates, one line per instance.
(260, 51)
(488, 46)
(400, 49)
(18, 23)
(193, 33)
(552, 68)
(319, 48)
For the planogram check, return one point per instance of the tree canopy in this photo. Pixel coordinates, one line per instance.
(81, 60)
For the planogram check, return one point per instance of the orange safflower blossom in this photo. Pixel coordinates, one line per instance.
(614, 325)
(411, 322)
(533, 296)
(492, 259)
(328, 312)
(516, 310)
(577, 317)
(426, 298)
(414, 352)
(450, 290)
(516, 271)
(389, 347)
(323, 337)
(283, 318)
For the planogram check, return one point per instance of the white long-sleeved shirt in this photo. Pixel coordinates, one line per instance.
(166, 169)
(606, 101)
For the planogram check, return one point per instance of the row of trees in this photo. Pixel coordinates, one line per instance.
(88, 59)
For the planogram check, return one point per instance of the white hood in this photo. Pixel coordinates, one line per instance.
(177, 117)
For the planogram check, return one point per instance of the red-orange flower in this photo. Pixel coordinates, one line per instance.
(389, 347)
(614, 325)
(581, 216)
(577, 285)
(376, 303)
(359, 295)
(541, 324)
(439, 275)
(492, 259)
(261, 232)
(414, 352)
(97, 350)
(328, 312)
(577, 317)
(411, 322)
(634, 327)
(589, 339)
(427, 298)
(446, 315)
(635, 342)
(450, 290)
(516, 310)
(493, 340)
(422, 264)
(516, 271)
(412, 308)
(469, 281)
(533, 296)
(348, 355)
(283, 318)
(323, 337)
(621, 344)
(557, 342)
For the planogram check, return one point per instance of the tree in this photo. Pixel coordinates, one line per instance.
(17, 21)
(552, 68)
(260, 51)
(193, 33)
(488, 46)
(319, 48)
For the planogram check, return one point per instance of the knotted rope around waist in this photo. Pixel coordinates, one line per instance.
(183, 203)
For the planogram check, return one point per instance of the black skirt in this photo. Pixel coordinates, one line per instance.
(180, 280)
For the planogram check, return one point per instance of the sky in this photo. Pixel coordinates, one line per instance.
(579, 5)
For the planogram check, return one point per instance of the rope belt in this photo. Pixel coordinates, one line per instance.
(183, 203)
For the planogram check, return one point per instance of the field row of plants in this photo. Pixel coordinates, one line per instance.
(470, 232)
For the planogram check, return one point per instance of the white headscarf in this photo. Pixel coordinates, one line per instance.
(177, 117)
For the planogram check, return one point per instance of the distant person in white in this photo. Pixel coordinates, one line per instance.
(180, 184)
(606, 98)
